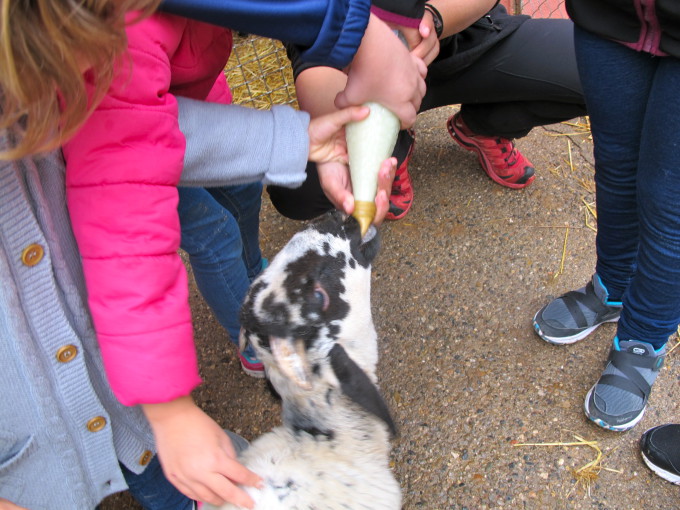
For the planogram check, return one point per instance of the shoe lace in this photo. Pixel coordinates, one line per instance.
(512, 158)
(504, 150)
(398, 184)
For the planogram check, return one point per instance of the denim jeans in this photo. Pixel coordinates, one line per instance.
(220, 233)
(633, 100)
(153, 491)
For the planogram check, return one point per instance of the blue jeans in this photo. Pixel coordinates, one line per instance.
(153, 491)
(220, 233)
(633, 100)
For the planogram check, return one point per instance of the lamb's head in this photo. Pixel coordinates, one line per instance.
(308, 315)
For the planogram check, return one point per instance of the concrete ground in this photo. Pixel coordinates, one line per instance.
(469, 383)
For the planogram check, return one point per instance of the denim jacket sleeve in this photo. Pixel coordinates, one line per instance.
(327, 32)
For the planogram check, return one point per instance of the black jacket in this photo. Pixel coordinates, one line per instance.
(618, 20)
(464, 48)
(408, 8)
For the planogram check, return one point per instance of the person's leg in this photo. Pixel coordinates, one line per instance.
(626, 98)
(153, 491)
(244, 203)
(529, 79)
(616, 81)
(303, 203)
(401, 195)
(212, 238)
(651, 310)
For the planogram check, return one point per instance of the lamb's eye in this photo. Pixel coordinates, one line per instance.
(321, 297)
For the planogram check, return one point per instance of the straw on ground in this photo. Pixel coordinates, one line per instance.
(587, 474)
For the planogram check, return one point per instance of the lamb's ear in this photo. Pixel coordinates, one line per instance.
(291, 357)
(358, 387)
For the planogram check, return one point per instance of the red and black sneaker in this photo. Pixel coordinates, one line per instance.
(498, 156)
(401, 198)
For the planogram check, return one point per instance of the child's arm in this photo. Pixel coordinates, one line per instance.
(456, 16)
(316, 89)
(385, 71)
(335, 34)
(122, 169)
(8, 505)
(219, 150)
(218, 154)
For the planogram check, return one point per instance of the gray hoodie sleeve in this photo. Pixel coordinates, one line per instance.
(229, 144)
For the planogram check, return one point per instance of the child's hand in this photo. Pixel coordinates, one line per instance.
(196, 455)
(427, 47)
(8, 505)
(328, 149)
(383, 70)
(422, 41)
(327, 142)
(336, 184)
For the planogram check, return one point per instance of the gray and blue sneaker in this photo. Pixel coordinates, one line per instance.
(576, 314)
(617, 401)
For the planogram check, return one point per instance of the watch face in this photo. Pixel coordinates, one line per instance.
(436, 19)
(438, 27)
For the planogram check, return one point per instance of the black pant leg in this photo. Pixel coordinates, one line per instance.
(303, 203)
(529, 79)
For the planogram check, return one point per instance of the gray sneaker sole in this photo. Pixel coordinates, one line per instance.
(566, 340)
(623, 427)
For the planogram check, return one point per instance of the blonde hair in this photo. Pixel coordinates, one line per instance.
(45, 47)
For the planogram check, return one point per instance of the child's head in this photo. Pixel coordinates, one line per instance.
(45, 46)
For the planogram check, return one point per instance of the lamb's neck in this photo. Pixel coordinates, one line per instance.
(341, 422)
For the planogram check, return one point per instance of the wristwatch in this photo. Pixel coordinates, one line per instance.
(437, 19)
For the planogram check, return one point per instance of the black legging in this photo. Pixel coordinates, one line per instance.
(528, 79)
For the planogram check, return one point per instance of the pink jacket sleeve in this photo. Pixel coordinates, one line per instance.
(122, 171)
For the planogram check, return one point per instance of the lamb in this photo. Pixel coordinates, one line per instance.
(308, 315)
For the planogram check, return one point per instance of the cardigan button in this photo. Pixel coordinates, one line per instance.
(32, 254)
(66, 353)
(96, 424)
(145, 458)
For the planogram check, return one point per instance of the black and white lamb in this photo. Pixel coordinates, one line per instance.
(308, 315)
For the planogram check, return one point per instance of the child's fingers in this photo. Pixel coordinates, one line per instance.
(385, 179)
(238, 473)
(351, 114)
(221, 490)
